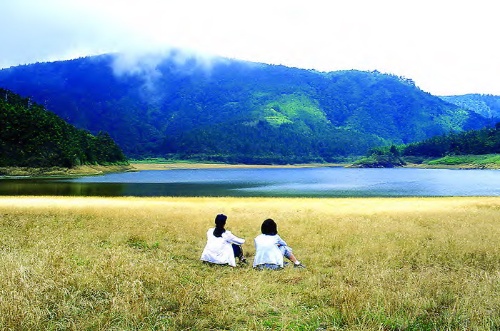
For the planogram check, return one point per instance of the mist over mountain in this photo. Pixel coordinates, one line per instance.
(184, 106)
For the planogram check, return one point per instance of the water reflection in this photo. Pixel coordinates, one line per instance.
(54, 187)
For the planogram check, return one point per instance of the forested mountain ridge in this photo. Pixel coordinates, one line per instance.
(483, 104)
(31, 136)
(237, 111)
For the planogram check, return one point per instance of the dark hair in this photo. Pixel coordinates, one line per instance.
(269, 227)
(220, 221)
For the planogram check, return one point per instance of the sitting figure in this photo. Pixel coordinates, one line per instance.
(222, 246)
(270, 249)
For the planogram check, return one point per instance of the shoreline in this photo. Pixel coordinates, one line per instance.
(86, 170)
(193, 166)
(93, 170)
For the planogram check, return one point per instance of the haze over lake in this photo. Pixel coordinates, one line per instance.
(279, 182)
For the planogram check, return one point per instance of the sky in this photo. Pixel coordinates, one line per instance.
(448, 47)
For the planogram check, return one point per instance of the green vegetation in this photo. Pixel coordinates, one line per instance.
(476, 161)
(483, 104)
(380, 158)
(238, 112)
(133, 264)
(478, 142)
(473, 148)
(31, 136)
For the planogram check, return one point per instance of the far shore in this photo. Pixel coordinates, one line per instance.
(93, 170)
(187, 165)
(85, 170)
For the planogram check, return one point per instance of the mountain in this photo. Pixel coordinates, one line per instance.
(31, 136)
(483, 104)
(236, 111)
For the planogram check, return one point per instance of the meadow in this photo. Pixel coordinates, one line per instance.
(133, 264)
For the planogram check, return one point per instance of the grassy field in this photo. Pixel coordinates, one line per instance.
(133, 264)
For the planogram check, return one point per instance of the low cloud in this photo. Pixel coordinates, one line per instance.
(146, 66)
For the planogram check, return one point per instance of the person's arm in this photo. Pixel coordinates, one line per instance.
(231, 238)
(280, 242)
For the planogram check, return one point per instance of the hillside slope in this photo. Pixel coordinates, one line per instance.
(236, 111)
(31, 136)
(485, 105)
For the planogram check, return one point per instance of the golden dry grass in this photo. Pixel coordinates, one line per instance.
(133, 264)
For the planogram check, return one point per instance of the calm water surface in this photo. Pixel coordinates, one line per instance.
(279, 182)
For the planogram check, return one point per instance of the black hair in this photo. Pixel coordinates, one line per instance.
(269, 227)
(220, 222)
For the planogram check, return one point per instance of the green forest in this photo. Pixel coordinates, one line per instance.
(486, 105)
(455, 147)
(236, 111)
(31, 136)
(476, 142)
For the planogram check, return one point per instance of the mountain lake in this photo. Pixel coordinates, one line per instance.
(267, 182)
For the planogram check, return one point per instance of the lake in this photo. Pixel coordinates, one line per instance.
(276, 182)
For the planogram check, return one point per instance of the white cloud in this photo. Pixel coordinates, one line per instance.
(445, 46)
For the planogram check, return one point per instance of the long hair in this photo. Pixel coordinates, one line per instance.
(269, 227)
(220, 222)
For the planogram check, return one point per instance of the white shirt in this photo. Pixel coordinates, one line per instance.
(219, 250)
(267, 250)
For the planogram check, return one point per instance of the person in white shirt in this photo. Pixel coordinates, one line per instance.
(222, 246)
(270, 248)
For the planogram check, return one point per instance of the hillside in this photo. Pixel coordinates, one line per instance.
(236, 111)
(31, 136)
(485, 105)
(472, 148)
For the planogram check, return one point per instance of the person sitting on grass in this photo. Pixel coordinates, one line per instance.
(270, 249)
(222, 246)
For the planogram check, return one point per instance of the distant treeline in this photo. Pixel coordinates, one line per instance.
(471, 142)
(477, 142)
(31, 136)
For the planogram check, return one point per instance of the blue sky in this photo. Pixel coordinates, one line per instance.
(447, 47)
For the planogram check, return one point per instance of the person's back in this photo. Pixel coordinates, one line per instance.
(267, 250)
(270, 248)
(218, 250)
(222, 246)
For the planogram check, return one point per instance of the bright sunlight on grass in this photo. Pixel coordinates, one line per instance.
(133, 264)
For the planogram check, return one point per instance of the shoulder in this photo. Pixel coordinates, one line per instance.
(264, 237)
(228, 234)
